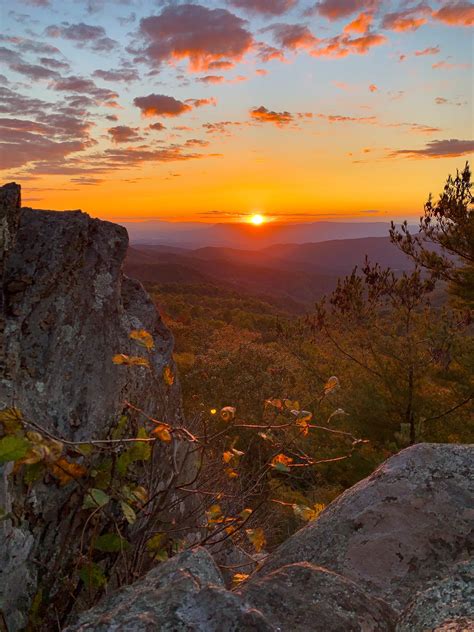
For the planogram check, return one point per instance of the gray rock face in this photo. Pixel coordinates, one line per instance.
(403, 526)
(185, 593)
(65, 310)
(302, 597)
(447, 602)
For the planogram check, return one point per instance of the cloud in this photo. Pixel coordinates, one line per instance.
(343, 45)
(268, 7)
(196, 33)
(409, 20)
(443, 101)
(87, 181)
(55, 64)
(196, 142)
(119, 74)
(221, 127)
(82, 85)
(34, 72)
(211, 79)
(199, 103)
(432, 50)
(84, 36)
(336, 9)
(225, 64)
(456, 14)
(124, 134)
(373, 87)
(292, 36)
(439, 149)
(266, 53)
(27, 141)
(161, 105)
(446, 65)
(361, 24)
(263, 115)
(338, 118)
(157, 127)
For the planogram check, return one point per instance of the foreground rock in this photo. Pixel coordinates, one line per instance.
(382, 544)
(185, 593)
(65, 310)
(405, 525)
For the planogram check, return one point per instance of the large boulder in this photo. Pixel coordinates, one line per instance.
(403, 526)
(66, 308)
(185, 594)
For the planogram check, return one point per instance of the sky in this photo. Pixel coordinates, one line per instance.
(218, 110)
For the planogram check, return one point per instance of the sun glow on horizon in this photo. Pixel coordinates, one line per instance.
(257, 220)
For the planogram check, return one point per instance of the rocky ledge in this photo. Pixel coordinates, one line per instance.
(393, 553)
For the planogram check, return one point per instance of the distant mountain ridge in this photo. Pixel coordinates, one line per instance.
(246, 236)
(300, 272)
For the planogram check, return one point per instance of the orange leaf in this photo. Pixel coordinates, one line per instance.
(162, 433)
(66, 471)
(238, 578)
(143, 338)
(168, 376)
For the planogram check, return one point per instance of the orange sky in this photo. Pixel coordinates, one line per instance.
(216, 111)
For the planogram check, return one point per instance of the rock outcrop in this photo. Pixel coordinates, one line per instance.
(400, 539)
(66, 309)
(405, 525)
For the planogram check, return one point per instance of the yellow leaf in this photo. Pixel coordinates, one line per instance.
(156, 542)
(168, 376)
(238, 578)
(143, 338)
(214, 514)
(231, 473)
(213, 411)
(162, 433)
(66, 471)
(257, 538)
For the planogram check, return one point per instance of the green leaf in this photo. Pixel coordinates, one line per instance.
(110, 543)
(128, 512)
(33, 472)
(13, 448)
(139, 451)
(95, 498)
(93, 576)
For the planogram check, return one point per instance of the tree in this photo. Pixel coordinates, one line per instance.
(444, 245)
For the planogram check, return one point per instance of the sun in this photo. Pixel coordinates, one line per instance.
(257, 220)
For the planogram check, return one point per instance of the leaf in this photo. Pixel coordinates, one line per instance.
(227, 456)
(121, 358)
(110, 543)
(307, 513)
(245, 513)
(129, 514)
(231, 473)
(256, 538)
(162, 433)
(228, 413)
(168, 377)
(95, 498)
(86, 449)
(280, 463)
(214, 514)
(10, 419)
(276, 403)
(140, 494)
(291, 404)
(331, 384)
(33, 472)
(66, 471)
(156, 542)
(93, 576)
(238, 578)
(13, 448)
(143, 338)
